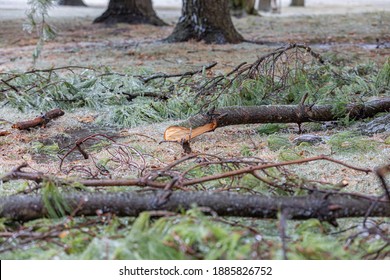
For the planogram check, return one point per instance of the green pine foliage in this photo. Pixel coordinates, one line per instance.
(37, 15)
(52, 199)
(125, 100)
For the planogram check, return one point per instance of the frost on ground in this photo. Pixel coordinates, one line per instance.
(345, 38)
(356, 43)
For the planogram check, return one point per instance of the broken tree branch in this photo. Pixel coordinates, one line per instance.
(38, 177)
(4, 132)
(39, 121)
(149, 180)
(320, 206)
(277, 114)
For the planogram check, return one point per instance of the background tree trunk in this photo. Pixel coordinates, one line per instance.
(130, 11)
(297, 3)
(205, 20)
(71, 3)
(264, 5)
(241, 8)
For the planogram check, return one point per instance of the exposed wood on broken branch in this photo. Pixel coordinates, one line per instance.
(179, 133)
(4, 132)
(322, 206)
(276, 114)
(39, 121)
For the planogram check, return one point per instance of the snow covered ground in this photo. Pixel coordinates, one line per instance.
(10, 9)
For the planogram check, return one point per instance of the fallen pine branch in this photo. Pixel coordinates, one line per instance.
(148, 181)
(326, 207)
(263, 66)
(220, 117)
(39, 121)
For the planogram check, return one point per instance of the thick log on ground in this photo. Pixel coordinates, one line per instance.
(321, 206)
(277, 114)
(287, 113)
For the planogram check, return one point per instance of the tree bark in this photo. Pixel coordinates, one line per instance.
(285, 114)
(42, 120)
(324, 207)
(241, 8)
(297, 3)
(71, 3)
(265, 5)
(130, 11)
(205, 20)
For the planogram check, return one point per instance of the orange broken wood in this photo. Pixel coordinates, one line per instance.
(184, 134)
(39, 121)
(4, 132)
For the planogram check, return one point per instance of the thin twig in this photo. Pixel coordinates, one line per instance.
(164, 76)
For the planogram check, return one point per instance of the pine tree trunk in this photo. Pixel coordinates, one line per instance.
(240, 8)
(264, 5)
(205, 20)
(71, 3)
(298, 3)
(130, 11)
